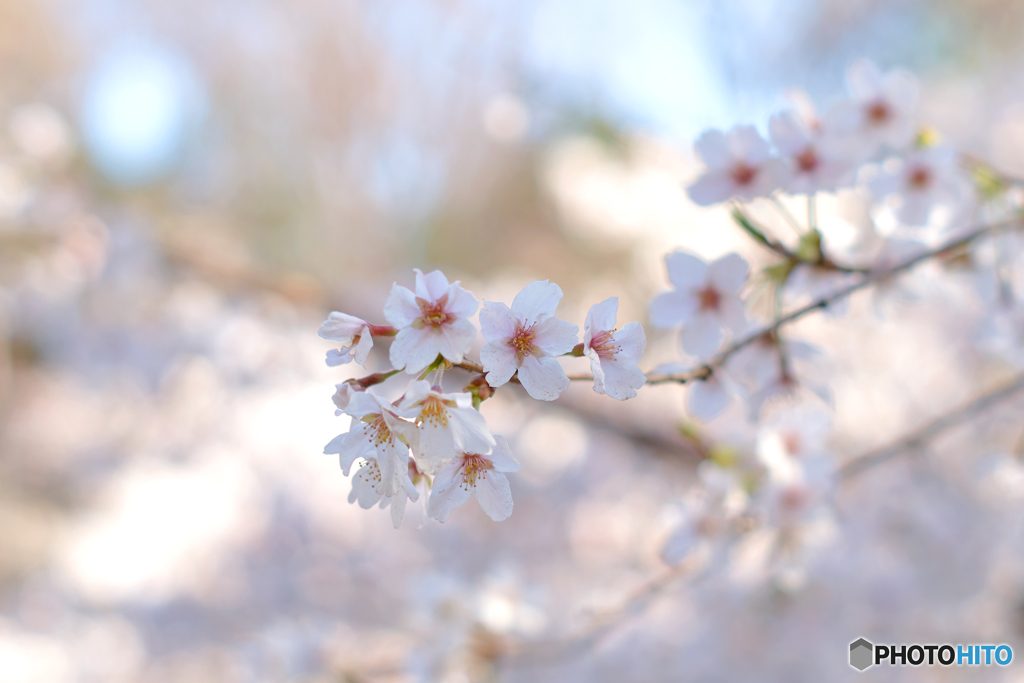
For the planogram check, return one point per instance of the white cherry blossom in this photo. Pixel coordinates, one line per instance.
(354, 335)
(922, 180)
(526, 339)
(432, 320)
(613, 354)
(377, 430)
(881, 108)
(817, 160)
(366, 490)
(342, 395)
(739, 165)
(476, 474)
(446, 422)
(705, 301)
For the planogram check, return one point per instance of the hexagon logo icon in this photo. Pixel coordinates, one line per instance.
(861, 652)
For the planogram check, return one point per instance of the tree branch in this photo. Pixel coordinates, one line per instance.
(932, 429)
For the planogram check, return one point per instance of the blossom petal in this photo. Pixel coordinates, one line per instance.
(469, 428)
(555, 336)
(364, 486)
(499, 361)
(401, 309)
(398, 507)
(601, 317)
(537, 301)
(341, 327)
(631, 342)
(702, 337)
(788, 133)
(729, 273)
(349, 447)
(543, 378)
(413, 349)
(436, 446)
(336, 357)
(501, 456)
(447, 494)
(415, 394)
(713, 149)
(494, 495)
(714, 187)
(864, 80)
(497, 321)
(707, 399)
(362, 349)
(461, 303)
(431, 286)
(672, 309)
(686, 271)
(747, 144)
(621, 379)
(456, 339)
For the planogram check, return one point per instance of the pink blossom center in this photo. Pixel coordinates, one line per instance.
(791, 442)
(377, 430)
(920, 178)
(603, 343)
(793, 499)
(709, 298)
(522, 341)
(743, 174)
(474, 467)
(807, 160)
(879, 112)
(433, 313)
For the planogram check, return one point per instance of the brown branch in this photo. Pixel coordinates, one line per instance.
(870, 277)
(924, 434)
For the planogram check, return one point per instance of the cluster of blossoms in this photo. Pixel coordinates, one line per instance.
(435, 443)
(438, 442)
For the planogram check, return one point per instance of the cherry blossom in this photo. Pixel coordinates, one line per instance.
(377, 430)
(446, 422)
(817, 159)
(739, 165)
(922, 180)
(526, 339)
(478, 474)
(367, 487)
(342, 395)
(354, 335)
(881, 108)
(613, 354)
(705, 301)
(432, 320)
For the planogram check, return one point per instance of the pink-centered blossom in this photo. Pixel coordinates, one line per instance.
(705, 301)
(613, 354)
(377, 430)
(739, 164)
(881, 108)
(476, 474)
(817, 160)
(432, 320)
(526, 339)
(447, 422)
(366, 490)
(354, 335)
(921, 181)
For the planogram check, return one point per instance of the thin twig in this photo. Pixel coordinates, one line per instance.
(920, 436)
(870, 277)
(787, 215)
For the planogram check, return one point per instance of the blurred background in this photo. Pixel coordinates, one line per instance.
(188, 188)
